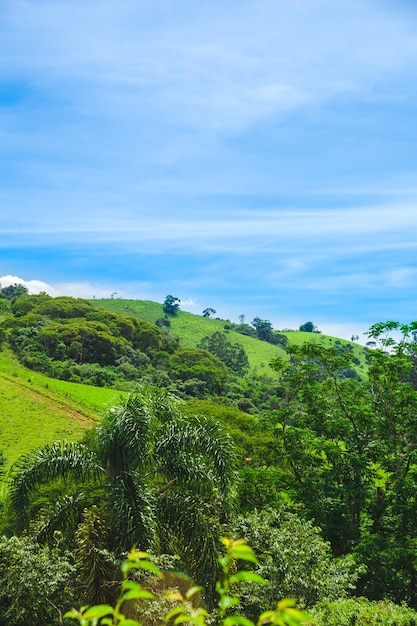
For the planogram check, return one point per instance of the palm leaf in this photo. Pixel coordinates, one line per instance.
(59, 460)
(189, 529)
(65, 516)
(133, 510)
(196, 449)
(124, 435)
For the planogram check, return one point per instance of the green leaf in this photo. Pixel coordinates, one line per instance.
(173, 612)
(145, 565)
(227, 601)
(245, 575)
(98, 611)
(138, 593)
(239, 620)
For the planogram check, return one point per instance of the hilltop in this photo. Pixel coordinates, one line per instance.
(192, 328)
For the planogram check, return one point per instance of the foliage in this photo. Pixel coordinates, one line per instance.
(285, 614)
(350, 446)
(35, 583)
(13, 291)
(196, 364)
(232, 354)
(263, 329)
(294, 559)
(171, 305)
(362, 612)
(155, 477)
(308, 327)
(68, 338)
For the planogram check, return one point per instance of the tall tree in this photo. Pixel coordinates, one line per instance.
(171, 305)
(351, 449)
(232, 354)
(159, 481)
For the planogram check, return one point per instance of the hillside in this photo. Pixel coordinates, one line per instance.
(191, 328)
(35, 409)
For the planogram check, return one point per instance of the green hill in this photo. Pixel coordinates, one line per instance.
(191, 329)
(35, 409)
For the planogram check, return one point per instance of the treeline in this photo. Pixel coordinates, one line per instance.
(70, 339)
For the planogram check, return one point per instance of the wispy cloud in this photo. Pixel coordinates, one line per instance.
(250, 152)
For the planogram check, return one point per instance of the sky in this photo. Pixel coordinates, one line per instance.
(257, 157)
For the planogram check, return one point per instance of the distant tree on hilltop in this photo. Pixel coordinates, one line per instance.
(308, 327)
(171, 305)
(12, 291)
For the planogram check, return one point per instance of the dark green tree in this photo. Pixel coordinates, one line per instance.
(264, 329)
(13, 291)
(209, 312)
(232, 354)
(171, 305)
(308, 327)
(159, 481)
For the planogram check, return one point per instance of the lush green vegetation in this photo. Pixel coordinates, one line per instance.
(179, 442)
(193, 328)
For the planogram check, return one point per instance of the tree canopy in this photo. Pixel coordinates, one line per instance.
(157, 480)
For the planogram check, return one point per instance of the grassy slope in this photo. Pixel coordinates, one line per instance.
(192, 328)
(35, 410)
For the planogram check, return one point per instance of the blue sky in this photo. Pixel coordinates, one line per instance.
(257, 157)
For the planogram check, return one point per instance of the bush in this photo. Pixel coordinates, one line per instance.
(34, 582)
(295, 560)
(363, 612)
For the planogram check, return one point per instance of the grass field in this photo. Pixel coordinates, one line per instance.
(35, 410)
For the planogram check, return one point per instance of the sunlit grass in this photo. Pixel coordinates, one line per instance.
(36, 410)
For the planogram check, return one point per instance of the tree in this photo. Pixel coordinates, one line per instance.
(308, 327)
(35, 583)
(202, 366)
(232, 354)
(158, 480)
(171, 305)
(13, 291)
(263, 328)
(350, 446)
(294, 559)
(209, 312)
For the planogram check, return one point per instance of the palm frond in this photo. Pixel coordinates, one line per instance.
(192, 532)
(65, 516)
(197, 449)
(39, 467)
(133, 511)
(124, 435)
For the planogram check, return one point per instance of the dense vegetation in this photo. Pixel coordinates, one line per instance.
(319, 474)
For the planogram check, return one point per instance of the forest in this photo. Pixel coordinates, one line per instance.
(311, 460)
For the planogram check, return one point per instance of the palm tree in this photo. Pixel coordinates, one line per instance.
(155, 479)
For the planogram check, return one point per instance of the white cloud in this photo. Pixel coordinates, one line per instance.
(221, 67)
(77, 290)
(360, 228)
(33, 286)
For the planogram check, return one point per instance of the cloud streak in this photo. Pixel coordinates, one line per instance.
(254, 152)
